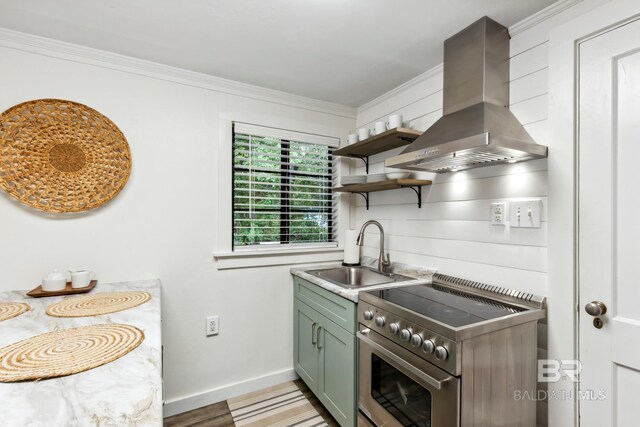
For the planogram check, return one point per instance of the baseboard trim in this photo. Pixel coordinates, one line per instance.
(194, 401)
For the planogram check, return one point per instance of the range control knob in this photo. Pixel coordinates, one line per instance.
(441, 353)
(380, 321)
(416, 340)
(394, 328)
(368, 315)
(405, 334)
(428, 346)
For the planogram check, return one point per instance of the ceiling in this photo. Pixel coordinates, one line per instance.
(342, 51)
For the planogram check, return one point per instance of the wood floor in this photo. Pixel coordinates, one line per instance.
(218, 415)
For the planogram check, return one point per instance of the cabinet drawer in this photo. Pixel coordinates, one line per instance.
(339, 310)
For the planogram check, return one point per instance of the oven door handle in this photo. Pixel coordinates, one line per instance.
(438, 384)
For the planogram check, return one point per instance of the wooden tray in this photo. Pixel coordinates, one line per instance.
(38, 292)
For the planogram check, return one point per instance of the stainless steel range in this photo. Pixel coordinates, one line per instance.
(450, 353)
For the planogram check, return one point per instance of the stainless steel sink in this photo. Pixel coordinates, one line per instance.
(357, 277)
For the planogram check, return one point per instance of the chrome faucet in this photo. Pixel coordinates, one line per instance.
(383, 260)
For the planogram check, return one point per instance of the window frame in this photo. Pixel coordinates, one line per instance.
(251, 257)
(286, 176)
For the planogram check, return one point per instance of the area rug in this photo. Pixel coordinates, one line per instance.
(282, 405)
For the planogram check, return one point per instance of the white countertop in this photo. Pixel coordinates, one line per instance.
(125, 392)
(420, 276)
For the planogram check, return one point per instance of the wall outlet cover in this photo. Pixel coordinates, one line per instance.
(525, 213)
(498, 214)
(213, 324)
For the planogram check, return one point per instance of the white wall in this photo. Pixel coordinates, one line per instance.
(452, 230)
(164, 222)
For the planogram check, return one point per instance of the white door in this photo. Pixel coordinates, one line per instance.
(609, 227)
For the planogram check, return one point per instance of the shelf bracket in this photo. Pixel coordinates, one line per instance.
(366, 198)
(365, 159)
(417, 190)
(407, 139)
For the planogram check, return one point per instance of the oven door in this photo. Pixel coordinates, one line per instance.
(398, 388)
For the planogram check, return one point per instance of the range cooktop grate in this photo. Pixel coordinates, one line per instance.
(489, 291)
(475, 298)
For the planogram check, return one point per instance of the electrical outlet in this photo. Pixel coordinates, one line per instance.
(498, 213)
(213, 323)
(525, 213)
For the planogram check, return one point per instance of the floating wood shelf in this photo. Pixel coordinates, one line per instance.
(378, 143)
(389, 184)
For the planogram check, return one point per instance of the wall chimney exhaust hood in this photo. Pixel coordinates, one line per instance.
(477, 128)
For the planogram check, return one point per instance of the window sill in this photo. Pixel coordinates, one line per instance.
(248, 259)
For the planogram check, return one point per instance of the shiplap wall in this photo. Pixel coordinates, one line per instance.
(452, 231)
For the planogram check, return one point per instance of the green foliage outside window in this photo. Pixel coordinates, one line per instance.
(282, 192)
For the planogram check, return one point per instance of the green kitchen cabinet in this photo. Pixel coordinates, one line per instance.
(325, 348)
(305, 329)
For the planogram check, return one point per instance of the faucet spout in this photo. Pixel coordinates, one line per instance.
(383, 259)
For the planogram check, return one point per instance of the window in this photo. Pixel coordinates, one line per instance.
(282, 189)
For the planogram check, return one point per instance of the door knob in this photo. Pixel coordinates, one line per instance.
(595, 308)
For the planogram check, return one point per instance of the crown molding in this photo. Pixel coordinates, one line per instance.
(538, 17)
(404, 86)
(86, 55)
(100, 58)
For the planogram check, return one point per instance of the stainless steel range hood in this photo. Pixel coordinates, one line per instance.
(477, 128)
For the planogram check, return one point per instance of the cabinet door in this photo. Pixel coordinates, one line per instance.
(305, 349)
(337, 376)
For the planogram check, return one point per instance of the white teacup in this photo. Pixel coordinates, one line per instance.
(352, 138)
(55, 281)
(363, 133)
(395, 121)
(81, 278)
(380, 127)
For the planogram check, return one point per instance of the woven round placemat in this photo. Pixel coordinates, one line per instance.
(61, 156)
(12, 309)
(66, 352)
(97, 304)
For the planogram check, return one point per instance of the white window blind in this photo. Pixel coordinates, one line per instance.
(282, 189)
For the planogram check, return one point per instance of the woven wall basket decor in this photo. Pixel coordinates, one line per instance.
(61, 156)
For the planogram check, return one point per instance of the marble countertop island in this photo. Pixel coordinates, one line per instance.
(418, 275)
(125, 392)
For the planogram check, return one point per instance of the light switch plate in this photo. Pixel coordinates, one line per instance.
(498, 213)
(525, 213)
